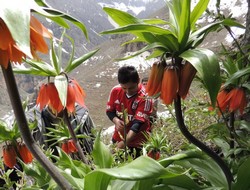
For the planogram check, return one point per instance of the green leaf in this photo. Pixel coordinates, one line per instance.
(207, 66)
(122, 185)
(61, 84)
(146, 184)
(182, 181)
(201, 33)
(101, 154)
(139, 169)
(223, 144)
(138, 28)
(155, 54)
(243, 176)
(36, 171)
(73, 20)
(170, 41)
(174, 15)
(237, 75)
(5, 132)
(72, 52)
(120, 17)
(29, 71)
(184, 23)
(57, 16)
(78, 168)
(54, 59)
(42, 66)
(229, 66)
(247, 86)
(233, 23)
(154, 21)
(196, 13)
(75, 63)
(146, 48)
(180, 156)
(207, 168)
(143, 37)
(97, 181)
(75, 182)
(123, 19)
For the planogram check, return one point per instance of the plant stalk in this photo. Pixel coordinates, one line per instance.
(25, 131)
(124, 115)
(203, 147)
(231, 130)
(73, 135)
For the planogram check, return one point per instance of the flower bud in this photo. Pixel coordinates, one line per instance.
(186, 77)
(170, 85)
(155, 78)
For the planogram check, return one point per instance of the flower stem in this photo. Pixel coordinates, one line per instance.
(73, 135)
(124, 115)
(25, 131)
(203, 147)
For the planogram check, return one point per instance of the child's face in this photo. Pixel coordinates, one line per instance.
(144, 83)
(130, 88)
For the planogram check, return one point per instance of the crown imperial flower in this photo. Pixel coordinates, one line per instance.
(232, 100)
(9, 50)
(186, 77)
(170, 85)
(155, 78)
(48, 96)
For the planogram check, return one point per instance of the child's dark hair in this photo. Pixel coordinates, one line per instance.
(128, 74)
(144, 79)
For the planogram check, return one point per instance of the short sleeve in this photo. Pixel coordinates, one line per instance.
(111, 100)
(144, 109)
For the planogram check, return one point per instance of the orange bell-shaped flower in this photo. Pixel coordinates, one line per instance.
(37, 34)
(186, 77)
(155, 78)
(72, 146)
(54, 101)
(237, 100)
(75, 95)
(25, 154)
(232, 100)
(69, 146)
(65, 147)
(223, 100)
(9, 50)
(170, 85)
(42, 98)
(154, 154)
(48, 95)
(9, 156)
